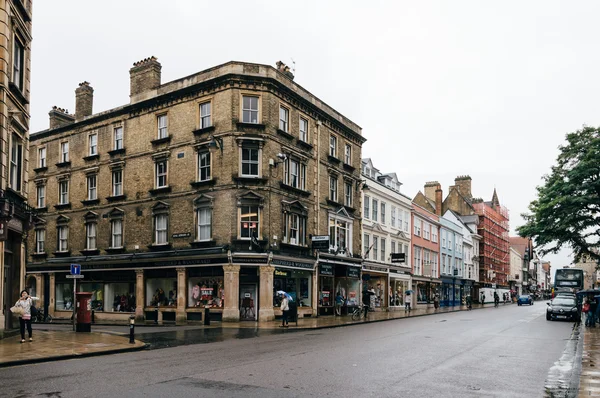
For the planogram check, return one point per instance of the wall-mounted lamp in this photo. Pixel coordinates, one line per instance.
(282, 158)
(216, 142)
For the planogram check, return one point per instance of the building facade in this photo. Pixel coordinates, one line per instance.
(515, 277)
(530, 263)
(386, 237)
(15, 214)
(590, 273)
(426, 255)
(201, 192)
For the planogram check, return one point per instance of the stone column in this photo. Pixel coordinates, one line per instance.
(315, 292)
(52, 303)
(180, 315)
(265, 310)
(2, 292)
(140, 297)
(231, 309)
(39, 290)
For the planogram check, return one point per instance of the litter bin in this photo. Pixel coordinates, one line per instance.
(293, 312)
(84, 312)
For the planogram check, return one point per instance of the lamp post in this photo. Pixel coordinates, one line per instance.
(131, 329)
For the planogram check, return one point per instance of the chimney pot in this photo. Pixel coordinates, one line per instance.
(59, 117)
(84, 100)
(144, 77)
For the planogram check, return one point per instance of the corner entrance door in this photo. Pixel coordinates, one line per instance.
(248, 302)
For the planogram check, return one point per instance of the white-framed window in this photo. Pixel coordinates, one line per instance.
(417, 260)
(117, 182)
(250, 161)
(444, 264)
(366, 207)
(18, 64)
(16, 163)
(284, 119)
(42, 157)
(295, 173)
(93, 144)
(434, 234)
(383, 213)
(161, 173)
(426, 230)
(204, 164)
(161, 223)
(393, 247)
(333, 182)
(294, 229)
(348, 154)
(92, 191)
(393, 216)
(366, 246)
(332, 145)
(249, 221)
(434, 268)
(63, 192)
(348, 193)
(163, 126)
(375, 249)
(449, 241)
(40, 240)
(116, 234)
(383, 243)
(41, 196)
(203, 224)
(375, 209)
(205, 115)
(64, 151)
(426, 262)
(90, 236)
(417, 227)
(118, 138)
(250, 109)
(406, 221)
(303, 134)
(340, 233)
(62, 233)
(443, 238)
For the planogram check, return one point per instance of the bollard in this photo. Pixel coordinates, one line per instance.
(131, 329)
(207, 316)
(93, 319)
(156, 315)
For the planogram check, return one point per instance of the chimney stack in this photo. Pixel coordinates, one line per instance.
(430, 188)
(84, 100)
(144, 78)
(438, 201)
(60, 117)
(463, 183)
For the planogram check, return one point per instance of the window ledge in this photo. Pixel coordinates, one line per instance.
(19, 195)
(293, 189)
(285, 134)
(159, 248)
(158, 191)
(203, 243)
(116, 198)
(64, 164)
(294, 246)
(90, 202)
(40, 169)
(161, 140)
(350, 209)
(93, 252)
(249, 179)
(63, 206)
(39, 255)
(41, 209)
(199, 184)
(334, 203)
(349, 167)
(333, 159)
(304, 145)
(116, 152)
(18, 93)
(115, 250)
(241, 241)
(199, 132)
(253, 126)
(91, 157)
(62, 254)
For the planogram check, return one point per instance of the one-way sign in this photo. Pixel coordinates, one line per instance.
(75, 269)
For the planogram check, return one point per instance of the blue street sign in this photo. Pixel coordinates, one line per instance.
(75, 269)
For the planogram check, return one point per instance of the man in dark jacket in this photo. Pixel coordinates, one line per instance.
(366, 299)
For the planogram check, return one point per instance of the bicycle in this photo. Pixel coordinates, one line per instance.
(358, 312)
(41, 317)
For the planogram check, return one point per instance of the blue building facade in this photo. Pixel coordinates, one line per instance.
(452, 268)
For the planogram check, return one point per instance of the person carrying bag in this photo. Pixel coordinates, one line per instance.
(23, 308)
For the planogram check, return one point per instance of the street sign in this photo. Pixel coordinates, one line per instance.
(75, 269)
(75, 276)
(320, 242)
(398, 257)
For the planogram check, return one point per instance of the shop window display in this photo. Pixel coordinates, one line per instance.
(122, 296)
(326, 296)
(422, 293)
(397, 291)
(97, 294)
(161, 292)
(349, 289)
(296, 283)
(206, 291)
(64, 297)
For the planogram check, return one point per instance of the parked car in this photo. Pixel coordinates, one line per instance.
(563, 307)
(565, 294)
(525, 299)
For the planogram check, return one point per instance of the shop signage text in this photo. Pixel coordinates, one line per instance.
(285, 274)
(182, 235)
(252, 260)
(326, 269)
(295, 264)
(353, 272)
(320, 242)
(398, 257)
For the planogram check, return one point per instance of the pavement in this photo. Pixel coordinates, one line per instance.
(57, 342)
(589, 382)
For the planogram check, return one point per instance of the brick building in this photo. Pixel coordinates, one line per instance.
(15, 214)
(203, 191)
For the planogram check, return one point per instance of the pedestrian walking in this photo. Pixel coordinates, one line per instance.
(407, 299)
(597, 313)
(285, 310)
(366, 299)
(339, 301)
(25, 303)
(482, 299)
(436, 301)
(496, 299)
(586, 310)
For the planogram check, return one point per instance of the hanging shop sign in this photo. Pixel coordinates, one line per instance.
(326, 269)
(292, 264)
(398, 257)
(320, 242)
(353, 272)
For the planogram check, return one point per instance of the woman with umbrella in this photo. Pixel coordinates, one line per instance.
(285, 307)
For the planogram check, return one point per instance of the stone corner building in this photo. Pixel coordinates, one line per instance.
(201, 192)
(15, 56)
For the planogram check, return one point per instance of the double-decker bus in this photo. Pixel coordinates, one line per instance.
(568, 279)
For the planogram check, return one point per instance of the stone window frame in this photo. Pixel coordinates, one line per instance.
(160, 158)
(333, 190)
(302, 166)
(159, 129)
(16, 177)
(297, 209)
(204, 150)
(203, 101)
(117, 167)
(160, 209)
(250, 199)
(91, 177)
(307, 120)
(91, 219)
(348, 153)
(332, 147)
(258, 111)
(43, 183)
(115, 127)
(203, 202)
(252, 143)
(64, 178)
(18, 75)
(116, 214)
(90, 135)
(62, 153)
(40, 225)
(341, 215)
(284, 125)
(45, 157)
(367, 207)
(348, 197)
(62, 222)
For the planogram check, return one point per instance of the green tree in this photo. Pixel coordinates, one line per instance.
(566, 211)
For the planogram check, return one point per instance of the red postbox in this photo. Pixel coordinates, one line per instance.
(84, 312)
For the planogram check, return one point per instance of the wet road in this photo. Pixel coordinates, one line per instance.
(504, 352)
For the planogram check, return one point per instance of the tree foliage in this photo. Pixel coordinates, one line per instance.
(566, 211)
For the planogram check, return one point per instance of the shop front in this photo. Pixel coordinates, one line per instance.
(425, 290)
(400, 283)
(296, 278)
(338, 277)
(375, 279)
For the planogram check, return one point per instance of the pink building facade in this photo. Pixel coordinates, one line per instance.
(425, 236)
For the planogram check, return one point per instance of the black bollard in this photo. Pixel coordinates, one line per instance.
(156, 315)
(207, 316)
(131, 329)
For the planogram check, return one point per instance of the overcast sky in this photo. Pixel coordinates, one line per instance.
(440, 88)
